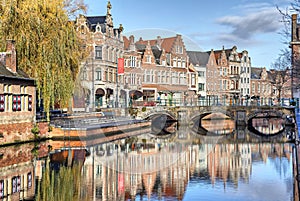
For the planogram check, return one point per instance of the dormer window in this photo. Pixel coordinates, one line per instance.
(98, 28)
(82, 29)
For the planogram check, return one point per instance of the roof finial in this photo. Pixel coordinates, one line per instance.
(108, 7)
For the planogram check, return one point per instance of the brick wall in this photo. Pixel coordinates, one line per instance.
(17, 132)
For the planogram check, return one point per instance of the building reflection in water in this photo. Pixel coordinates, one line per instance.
(136, 168)
(164, 169)
(19, 166)
(216, 123)
(268, 126)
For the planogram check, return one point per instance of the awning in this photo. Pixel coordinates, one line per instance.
(135, 94)
(100, 92)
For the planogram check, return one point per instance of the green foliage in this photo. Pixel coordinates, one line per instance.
(133, 111)
(35, 131)
(47, 46)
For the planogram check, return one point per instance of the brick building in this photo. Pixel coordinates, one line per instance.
(270, 87)
(17, 99)
(157, 71)
(100, 86)
(295, 46)
(227, 75)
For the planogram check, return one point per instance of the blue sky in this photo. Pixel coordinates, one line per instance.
(251, 25)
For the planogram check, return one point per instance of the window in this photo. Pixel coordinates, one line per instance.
(149, 76)
(225, 84)
(29, 180)
(183, 64)
(201, 74)
(2, 103)
(132, 61)
(168, 59)
(16, 184)
(98, 74)
(17, 102)
(174, 62)
(1, 189)
(98, 52)
(159, 77)
(179, 49)
(82, 29)
(148, 59)
(193, 80)
(83, 74)
(132, 79)
(174, 78)
(167, 78)
(200, 87)
(179, 63)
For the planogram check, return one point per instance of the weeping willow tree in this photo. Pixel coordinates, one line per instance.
(48, 49)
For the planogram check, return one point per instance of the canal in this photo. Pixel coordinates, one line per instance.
(185, 165)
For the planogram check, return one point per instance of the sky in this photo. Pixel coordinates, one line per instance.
(252, 25)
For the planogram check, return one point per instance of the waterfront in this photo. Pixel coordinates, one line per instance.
(180, 166)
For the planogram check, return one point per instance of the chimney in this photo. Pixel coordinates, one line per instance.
(294, 28)
(131, 43)
(11, 58)
(158, 42)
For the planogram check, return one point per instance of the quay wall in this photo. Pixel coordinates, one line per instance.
(11, 133)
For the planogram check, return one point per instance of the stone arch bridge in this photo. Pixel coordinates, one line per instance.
(241, 114)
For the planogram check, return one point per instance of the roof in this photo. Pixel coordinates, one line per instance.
(167, 43)
(255, 72)
(218, 53)
(198, 58)
(4, 72)
(94, 20)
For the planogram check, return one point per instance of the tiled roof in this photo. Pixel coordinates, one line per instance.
(219, 52)
(167, 43)
(198, 58)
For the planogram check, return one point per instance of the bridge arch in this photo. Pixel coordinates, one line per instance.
(197, 125)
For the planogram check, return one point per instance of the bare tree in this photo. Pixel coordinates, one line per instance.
(281, 73)
(289, 59)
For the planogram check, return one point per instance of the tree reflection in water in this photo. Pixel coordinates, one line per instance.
(64, 185)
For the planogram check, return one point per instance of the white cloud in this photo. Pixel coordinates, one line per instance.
(246, 27)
